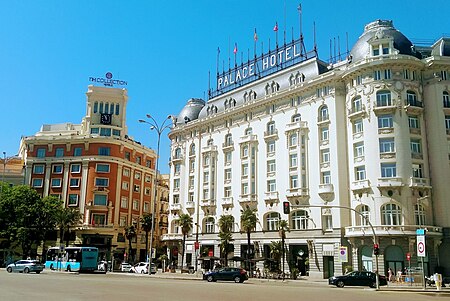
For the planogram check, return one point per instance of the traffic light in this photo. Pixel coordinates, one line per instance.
(286, 207)
(376, 249)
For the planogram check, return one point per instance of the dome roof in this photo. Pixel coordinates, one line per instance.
(380, 29)
(191, 110)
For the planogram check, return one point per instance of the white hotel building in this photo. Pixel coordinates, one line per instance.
(370, 133)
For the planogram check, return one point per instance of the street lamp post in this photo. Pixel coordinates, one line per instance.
(159, 130)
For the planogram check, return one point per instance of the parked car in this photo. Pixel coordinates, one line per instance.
(357, 278)
(142, 268)
(237, 275)
(125, 267)
(25, 266)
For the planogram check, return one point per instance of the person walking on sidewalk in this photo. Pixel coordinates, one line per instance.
(390, 275)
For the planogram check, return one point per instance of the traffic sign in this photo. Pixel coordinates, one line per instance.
(343, 254)
(421, 245)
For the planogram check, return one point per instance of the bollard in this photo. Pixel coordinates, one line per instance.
(438, 281)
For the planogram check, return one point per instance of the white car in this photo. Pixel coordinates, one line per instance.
(125, 267)
(142, 268)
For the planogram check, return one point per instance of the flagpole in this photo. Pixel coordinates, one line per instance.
(255, 38)
(218, 54)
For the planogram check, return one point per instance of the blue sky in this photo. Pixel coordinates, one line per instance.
(163, 49)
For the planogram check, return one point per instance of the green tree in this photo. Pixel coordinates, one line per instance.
(248, 224)
(276, 251)
(47, 218)
(283, 227)
(185, 222)
(226, 223)
(130, 233)
(146, 223)
(66, 219)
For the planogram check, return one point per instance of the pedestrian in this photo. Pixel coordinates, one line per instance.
(390, 275)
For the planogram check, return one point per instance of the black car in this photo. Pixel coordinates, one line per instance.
(237, 275)
(357, 279)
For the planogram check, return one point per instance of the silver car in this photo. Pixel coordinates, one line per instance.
(25, 266)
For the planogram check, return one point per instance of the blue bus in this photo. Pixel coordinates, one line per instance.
(76, 259)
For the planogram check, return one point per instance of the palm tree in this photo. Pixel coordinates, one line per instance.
(130, 233)
(67, 218)
(185, 222)
(283, 226)
(146, 223)
(226, 223)
(248, 224)
(276, 251)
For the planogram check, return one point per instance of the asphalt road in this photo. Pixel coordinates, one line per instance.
(56, 286)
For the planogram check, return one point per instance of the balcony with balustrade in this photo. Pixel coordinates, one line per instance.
(390, 230)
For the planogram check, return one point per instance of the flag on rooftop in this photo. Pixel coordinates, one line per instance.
(275, 28)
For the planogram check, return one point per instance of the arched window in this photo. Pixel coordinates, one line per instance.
(419, 214)
(391, 214)
(209, 225)
(364, 216)
(323, 113)
(192, 149)
(293, 139)
(175, 226)
(271, 127)
(178, 153)
(95, 107)
(296, 118)
(111, 108)
(300, 220)
(446, 99)
(384, 98)
(272, 220)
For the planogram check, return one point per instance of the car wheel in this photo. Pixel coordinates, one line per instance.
(373, 285)
(142, 272)
(9, 270)
(52, 267)
(26, 270)
(340, 283)
(237, 279)
(69, 269)
(38, 272)
(210, 278)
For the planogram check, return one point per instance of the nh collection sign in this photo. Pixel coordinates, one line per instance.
(280, 58)
(108, 80)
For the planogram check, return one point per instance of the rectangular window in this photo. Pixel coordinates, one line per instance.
(176, 199)
(376, 51)
(74, 182)
(128, 156)
(176, 183)
(325, 155)
(245, 152)
(77, 151)
(377, 75)
(136, 188)
(385, 49)
(385, 121)
(102, 168)
(138, 160)
(244, 188)
(358, 126)
(244, 170)
(73, 199)
(359, 79)
(75, 168)
(271, 186)
(59, 152)
(125, 185)
(406, 74)
(416, 146)
(388, 170)
(177, 168)
(294, 182)
(104, 151)
(116, 132)
(126, 172)
(122, 222)
(105, 132)
(56, 182)
(387, 73)
(146, 207)
(137, 175)
(37, 183)
(227, 192)
(293, 140)
(148, 163)
(387, 145)
(40, 153)
(147, 191)
(227, 157)
(293, 160)
(324, 133)
(38, 169)
(148, 179)
(95, 130)
(358, 149)
(271, 166)
(101, 182)
(135, 204)
(326, 177)
(447, 122)
(227, 174)
(206, 194)
(360, 173)
(271, 147)
(124, 202)
(417, 170)
(413, 122)
(384, 99)
(57, 168)
(100, 200)
(206, 177)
